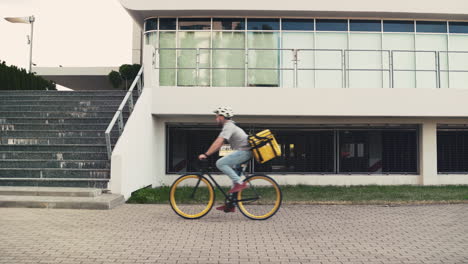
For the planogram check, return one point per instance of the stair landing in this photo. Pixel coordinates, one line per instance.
(58, 198)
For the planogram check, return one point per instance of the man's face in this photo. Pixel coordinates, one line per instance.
(220, 120)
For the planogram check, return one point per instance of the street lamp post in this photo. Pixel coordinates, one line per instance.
(25, 20)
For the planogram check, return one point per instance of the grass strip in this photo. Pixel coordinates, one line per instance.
(369, 194)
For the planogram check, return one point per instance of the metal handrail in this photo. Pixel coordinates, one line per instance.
(388, 65)
(118, 116)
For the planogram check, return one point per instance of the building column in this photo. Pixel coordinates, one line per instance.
(428, 153)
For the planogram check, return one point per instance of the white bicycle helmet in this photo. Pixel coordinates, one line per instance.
(224, 111)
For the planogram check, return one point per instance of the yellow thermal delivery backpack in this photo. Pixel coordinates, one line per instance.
(264, 146)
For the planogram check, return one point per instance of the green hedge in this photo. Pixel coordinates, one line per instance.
(14, 78)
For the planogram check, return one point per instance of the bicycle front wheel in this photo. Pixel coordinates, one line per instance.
(261, 200)
(192, 196)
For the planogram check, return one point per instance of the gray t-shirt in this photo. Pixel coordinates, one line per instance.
(235, 136)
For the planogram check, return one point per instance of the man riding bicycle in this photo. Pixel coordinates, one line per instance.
(237, 138)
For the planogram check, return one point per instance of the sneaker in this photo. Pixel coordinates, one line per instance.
(226, 209)
(238, 187)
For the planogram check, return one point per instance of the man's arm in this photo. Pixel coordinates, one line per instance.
(217, 144)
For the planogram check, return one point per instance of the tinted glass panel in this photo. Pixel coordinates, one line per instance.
(399, 151)
(167, 23)
(365, 25)
(151, 24)
(194, 23)
(185, 144)
(458, 27)
(452, 151)
(228, 23)
(262, 24)
(398, 26)
(331, 25)
(431, 26)
(302, 151)
(369, 151)
(377, 151)
(298, 24)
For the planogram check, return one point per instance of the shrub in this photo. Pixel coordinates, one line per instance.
(14, 78)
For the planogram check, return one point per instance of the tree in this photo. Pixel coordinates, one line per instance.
(127, 73)
(115, 79)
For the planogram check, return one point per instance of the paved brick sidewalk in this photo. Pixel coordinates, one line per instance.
(297, 234)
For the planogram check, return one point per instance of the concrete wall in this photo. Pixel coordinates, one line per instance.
(133, 158)
(257, 101)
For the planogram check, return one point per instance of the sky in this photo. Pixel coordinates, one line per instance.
(66, 32)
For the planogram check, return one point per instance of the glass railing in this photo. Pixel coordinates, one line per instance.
(310, 68)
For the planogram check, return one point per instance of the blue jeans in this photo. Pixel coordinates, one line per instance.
(226, 164)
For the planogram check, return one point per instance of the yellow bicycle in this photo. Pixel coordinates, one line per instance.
(192, 196)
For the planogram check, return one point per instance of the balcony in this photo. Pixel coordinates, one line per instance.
(310, 68)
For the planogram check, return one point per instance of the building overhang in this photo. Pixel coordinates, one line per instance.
(78, 78)
(397, 9)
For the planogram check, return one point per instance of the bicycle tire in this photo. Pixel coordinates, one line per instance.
(186, 207)
(260, 208)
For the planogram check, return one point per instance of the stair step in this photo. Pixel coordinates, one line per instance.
(52, 120)
(21, 155)
(64, 93)
(55, 182)
(64, 127)
(71, 97)
(59, 148)
(88, 103)
(59, 114)
(102, 202)
(55, 133)
(53, 173)
(53, 141)
(62, 108)
(48, 191)
(59, 164)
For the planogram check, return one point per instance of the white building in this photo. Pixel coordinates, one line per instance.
(357, 92)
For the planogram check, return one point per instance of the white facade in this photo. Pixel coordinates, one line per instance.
(403, 81)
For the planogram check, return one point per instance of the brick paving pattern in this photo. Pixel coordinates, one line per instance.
(296, 234)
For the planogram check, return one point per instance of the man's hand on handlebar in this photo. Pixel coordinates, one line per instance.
(202, 157)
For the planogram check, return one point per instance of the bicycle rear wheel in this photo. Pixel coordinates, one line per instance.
(261, 200)
(192, 196)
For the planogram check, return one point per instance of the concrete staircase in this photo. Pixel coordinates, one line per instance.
(56, 138)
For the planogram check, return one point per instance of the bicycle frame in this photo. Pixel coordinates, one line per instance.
(229, 197)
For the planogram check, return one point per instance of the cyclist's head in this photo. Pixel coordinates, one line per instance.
(223, 113)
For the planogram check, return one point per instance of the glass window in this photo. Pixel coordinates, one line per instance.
(194, 23)
(302, 151)
(298, 24)
(167, 58)
(185, 144)
(431, 26)
(378, 151)
(398, 26)
(189, 41)
(452, 151)
(263, 63)
(310, 150)
(151, 24)
(458, 27)
(365, 25)
(228, 23)
(262, 24)
(331, 25)
(229, 62)
(167, 24)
